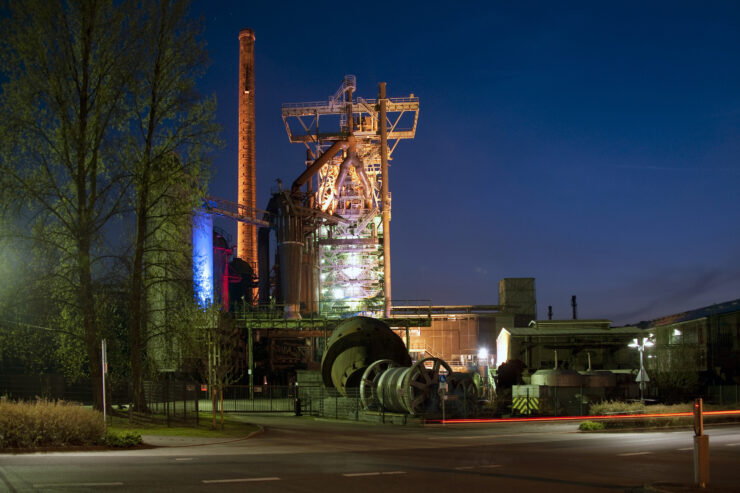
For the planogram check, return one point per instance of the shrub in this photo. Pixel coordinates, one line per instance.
(637, 408)
(46, 423)
(591, 426)
(124, 439)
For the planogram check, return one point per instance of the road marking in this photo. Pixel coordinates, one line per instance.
(634, 453)
(377, 473)
(74, 485)
(467, 468)
(685, 448)
(184, 458)
(240, 480)
(476, 437)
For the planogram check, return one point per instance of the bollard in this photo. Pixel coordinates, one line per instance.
(701, 447)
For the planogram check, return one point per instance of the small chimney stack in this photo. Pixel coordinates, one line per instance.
(549, 312)
(575, 306)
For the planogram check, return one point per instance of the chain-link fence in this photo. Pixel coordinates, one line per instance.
(723, 394)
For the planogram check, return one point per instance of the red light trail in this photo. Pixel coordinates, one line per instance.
(687, 414)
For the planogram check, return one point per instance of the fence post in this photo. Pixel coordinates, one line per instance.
(581, 401)
(557, 404)
(197, 400)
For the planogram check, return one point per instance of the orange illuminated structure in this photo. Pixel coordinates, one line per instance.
(247, 190)
(350, 140)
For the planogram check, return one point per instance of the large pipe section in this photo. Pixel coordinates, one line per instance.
(246, 244)
(353, 346)
(413, 390)
(337, 146)
(290, 246)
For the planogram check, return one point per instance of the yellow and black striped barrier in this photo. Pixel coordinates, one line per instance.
(525, 405)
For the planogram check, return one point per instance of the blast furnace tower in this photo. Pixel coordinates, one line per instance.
(247, 189)
(349, 142)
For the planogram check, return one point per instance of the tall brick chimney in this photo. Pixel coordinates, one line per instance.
(247, 194)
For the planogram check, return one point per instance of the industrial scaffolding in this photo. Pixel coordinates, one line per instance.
(349, 142)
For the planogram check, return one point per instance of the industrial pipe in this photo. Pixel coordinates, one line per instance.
(337, 146)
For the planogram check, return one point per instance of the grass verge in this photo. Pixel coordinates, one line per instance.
(232, 428)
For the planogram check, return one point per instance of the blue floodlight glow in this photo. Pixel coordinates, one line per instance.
(203, 258)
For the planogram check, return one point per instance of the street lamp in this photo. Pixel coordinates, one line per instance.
(642, 377)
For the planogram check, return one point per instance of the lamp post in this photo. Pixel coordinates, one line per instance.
(642, 377)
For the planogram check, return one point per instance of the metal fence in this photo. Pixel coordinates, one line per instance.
(723, 394)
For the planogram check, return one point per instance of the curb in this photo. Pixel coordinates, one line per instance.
(256, 432)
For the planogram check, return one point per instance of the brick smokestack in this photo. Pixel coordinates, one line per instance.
(247, 197)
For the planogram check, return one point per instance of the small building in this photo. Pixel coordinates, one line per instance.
(571, 344)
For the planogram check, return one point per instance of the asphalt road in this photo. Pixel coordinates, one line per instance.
(303, 454)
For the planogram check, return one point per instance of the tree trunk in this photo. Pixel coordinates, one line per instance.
(91, 335)
(136, 324)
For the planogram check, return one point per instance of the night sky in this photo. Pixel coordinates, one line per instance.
(591, 146)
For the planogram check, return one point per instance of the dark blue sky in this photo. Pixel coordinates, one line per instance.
(592, 146)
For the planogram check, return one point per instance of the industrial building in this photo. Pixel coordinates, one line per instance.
(320, 252)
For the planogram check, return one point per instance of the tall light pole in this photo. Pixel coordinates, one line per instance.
(642, 377)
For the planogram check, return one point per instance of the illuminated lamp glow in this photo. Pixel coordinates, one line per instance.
(482, 354)
(203, 258)
(502, 346)
(676, 332)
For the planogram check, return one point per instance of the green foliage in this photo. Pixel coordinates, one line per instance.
(48, 424)
(621, 407)
(591, 426)
(104, 130)
(637, 408)
(122, 439)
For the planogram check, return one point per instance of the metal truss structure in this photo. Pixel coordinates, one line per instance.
(344, 179)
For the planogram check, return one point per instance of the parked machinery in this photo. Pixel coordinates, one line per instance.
(353, 346)
(364, 352)
(385, 386)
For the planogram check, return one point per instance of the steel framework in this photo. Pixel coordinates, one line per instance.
(344, 178)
